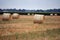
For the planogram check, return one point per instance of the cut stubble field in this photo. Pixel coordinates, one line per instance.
(28, 30)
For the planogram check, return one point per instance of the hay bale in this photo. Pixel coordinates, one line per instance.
(51, 14)
(28, 13)
(32, 14)
(39, 18)
(6, 16)
(55, 14)
(15, 16)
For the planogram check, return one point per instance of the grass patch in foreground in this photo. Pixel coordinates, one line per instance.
(53, 34)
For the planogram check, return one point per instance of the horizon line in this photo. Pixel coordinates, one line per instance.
(29, 9)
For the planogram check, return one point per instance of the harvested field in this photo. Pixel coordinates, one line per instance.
(24, 29)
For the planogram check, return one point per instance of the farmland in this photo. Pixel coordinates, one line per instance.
(24, 29)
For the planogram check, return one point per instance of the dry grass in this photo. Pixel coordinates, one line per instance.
(24, 26)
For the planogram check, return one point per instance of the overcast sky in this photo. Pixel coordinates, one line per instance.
(30, 4)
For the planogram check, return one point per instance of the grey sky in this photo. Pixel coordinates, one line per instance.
(30, 4)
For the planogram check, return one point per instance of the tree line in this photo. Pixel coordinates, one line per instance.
(24, 10)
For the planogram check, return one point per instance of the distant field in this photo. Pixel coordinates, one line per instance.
(24, 29)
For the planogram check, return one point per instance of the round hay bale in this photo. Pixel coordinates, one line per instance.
(28, 13)
(6, 16)
(39, 18)
(55, 14)
(32, 14)
(51, 14)
(15, 16)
